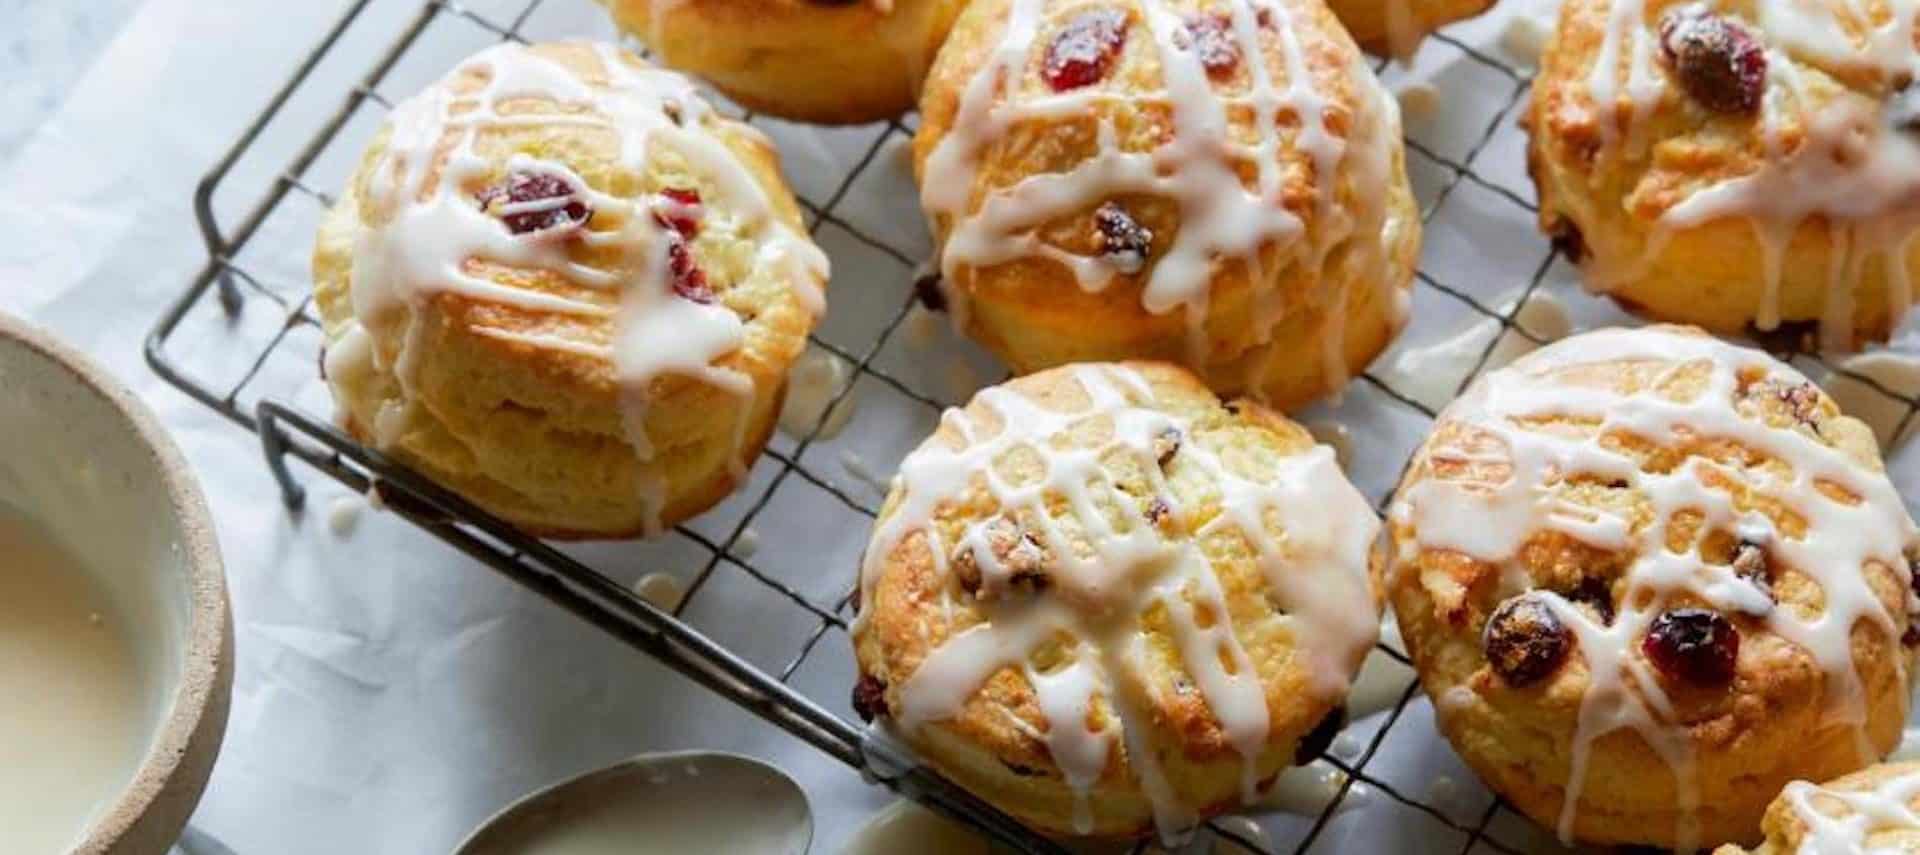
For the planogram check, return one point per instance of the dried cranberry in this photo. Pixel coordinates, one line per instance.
(1082, 52)
(679, 210)
(1596, 594)
(869, 697)
(1121, 238)
(1026, 561)
(689, 280)
(1750, 563)
(1802, 400)
(1524, 640)
(927, 289)
(1157, 510)
(1211, 37)
(1320, 738)
(1718, 62)
(535, 202)
(1698, 646)
(1913, 576)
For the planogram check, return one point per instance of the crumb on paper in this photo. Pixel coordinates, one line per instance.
(343, 514)
(1524, 37)
(660, 589)
(1419, 101)
(746, 544)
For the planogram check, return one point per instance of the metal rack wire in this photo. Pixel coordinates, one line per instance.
(227, 285)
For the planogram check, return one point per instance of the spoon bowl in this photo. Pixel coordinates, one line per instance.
(687, 801)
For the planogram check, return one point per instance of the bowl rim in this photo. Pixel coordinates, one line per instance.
(207, 668)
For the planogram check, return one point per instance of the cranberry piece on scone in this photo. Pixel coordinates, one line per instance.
(1211, 38)
(1525, 641)
(869, 697)
(1123, 241)
(1082, 52)
(679, 210)
(535, 202)
(1697, 646)
(1717, 61)
(688, 279)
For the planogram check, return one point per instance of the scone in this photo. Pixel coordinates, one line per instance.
(829, 61)
(1736, 166)
(1396, 27)
(1647, 579)
(1102, 600)
(561, 285)
(1218, 184)
(1876, 810)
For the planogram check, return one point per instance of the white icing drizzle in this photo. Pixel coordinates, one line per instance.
(1490, 522)
(1197, 167)
(426, 180)
(1839, 822)
(1832, 160)
(1106, 573)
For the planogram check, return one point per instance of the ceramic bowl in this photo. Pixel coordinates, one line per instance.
(89, 463)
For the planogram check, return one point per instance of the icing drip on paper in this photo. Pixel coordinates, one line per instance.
(1198, 168)
(426, 180)
(1838, 822)
(1105, 573)
(1491, 522)
(1844, 165)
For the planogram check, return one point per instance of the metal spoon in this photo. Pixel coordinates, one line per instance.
(689, 801)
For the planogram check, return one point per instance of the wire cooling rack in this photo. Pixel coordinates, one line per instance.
(245, 325)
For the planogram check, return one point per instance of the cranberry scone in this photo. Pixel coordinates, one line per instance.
(1648, 578)
(828, 61)
(1105, 602)
(1215, 183)
(1739, 166)
(1874, 810)
(564, 287)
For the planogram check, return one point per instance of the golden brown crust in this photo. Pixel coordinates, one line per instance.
(828, 62)
(992, 745)
(1773, 723)
(1032, 313)
(533, 433)
(1373, 25)
(1605, 181)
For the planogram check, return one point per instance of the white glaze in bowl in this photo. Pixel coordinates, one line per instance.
(89, 463)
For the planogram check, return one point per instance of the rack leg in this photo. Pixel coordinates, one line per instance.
(229, 293)
(273, 442)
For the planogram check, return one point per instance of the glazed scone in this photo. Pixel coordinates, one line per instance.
(1735, 165)
(1134, 179)
(829, 61)
(1101, 600)
(1396, 27)
(561, 285)
(1876, 809)
(1647, 579)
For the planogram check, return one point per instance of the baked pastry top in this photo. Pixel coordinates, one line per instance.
(562, 285)
(832, 61)
(1104, 601)
(1648, 578)
(1217, 184)
(1733, 164)
(1876, 809)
